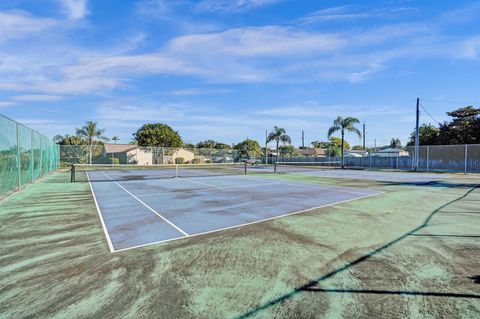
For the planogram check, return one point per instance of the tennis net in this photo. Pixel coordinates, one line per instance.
(285, 167)
(129, 172)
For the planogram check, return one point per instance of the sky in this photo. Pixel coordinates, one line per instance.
(230, 69)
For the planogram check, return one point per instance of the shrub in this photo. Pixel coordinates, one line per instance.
(179, 160)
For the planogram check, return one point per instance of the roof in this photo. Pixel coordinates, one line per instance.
(119, 148)
(312, 151)
(390, 150)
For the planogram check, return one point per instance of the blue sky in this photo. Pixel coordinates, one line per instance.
(227, 70)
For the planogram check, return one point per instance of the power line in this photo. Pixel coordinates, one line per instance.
(428, 113)
(444, 101)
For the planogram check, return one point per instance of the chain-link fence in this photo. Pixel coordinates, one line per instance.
(25, 155)
(142, 155)
(434, 158)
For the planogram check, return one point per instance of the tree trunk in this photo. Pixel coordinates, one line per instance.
(90, 152)
(343, 143)
(277, 151)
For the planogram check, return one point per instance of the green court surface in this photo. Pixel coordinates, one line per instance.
(411, 252)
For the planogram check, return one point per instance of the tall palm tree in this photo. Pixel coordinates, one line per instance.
(115, 139)
(278, 135)
(344, 124)
(90, 132)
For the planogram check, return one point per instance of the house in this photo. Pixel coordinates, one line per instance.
(134, 154)
(128, 154)
(355, 153)
(315, 152)
(390, 152)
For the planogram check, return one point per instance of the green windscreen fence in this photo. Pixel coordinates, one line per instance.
(25, 155)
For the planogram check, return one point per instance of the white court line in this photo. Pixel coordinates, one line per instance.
(151, 209)
(251, 223)
(109, 241)
(209, 189)
(201, 183)
(324, 187)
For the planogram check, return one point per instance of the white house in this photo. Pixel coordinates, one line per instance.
(390, 152)
(134, 154)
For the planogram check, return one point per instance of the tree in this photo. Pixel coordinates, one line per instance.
(428, 135)
(344, 124)
(158, 136)
(115, 139)
(278, 135)
(206, 144)
(395, 143)
(213, 144)
(464, 128)
(287, 150)
(338, 141)
(91, 132)
(248, 148)
(318, 144)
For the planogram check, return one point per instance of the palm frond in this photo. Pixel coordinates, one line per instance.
(333, 129)
(355, 130)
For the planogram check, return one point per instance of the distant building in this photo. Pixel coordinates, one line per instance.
(314, 152)
(134, 154)
(355, 153)
(390, 152)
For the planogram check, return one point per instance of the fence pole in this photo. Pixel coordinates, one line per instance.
(466, 160)
(428, 157)
(18, 159)
(31, 156)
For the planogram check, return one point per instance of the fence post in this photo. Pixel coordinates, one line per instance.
(428, 157)
(19, 163)
(31, 156)
(466, 159)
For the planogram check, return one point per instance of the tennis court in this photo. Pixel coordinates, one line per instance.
(139, 208)
(332, 170)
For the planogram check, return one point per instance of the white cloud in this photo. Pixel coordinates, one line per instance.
(230, 6)
(258, 41)
(332, 14)
(6, 104)
(37, 98)
(198, 91)
(17, 24)
(75, 9)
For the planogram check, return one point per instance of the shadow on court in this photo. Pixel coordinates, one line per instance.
(311, 286)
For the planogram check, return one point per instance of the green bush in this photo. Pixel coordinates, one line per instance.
(179, 160)
(115, 161)
(196, 161)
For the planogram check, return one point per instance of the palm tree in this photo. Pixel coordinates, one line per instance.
(278, 135)
(115, 139)
(90, 132)
(344, 124)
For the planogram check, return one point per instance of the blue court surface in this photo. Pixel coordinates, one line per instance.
(136, 213)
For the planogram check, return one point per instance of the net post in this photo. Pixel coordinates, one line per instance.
(245, 167)
(275, 167)
(466, 160)
(72, 174)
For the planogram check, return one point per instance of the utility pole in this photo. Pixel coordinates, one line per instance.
(417, 134)
(303, 139)
(266, 152)
(364, 149)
